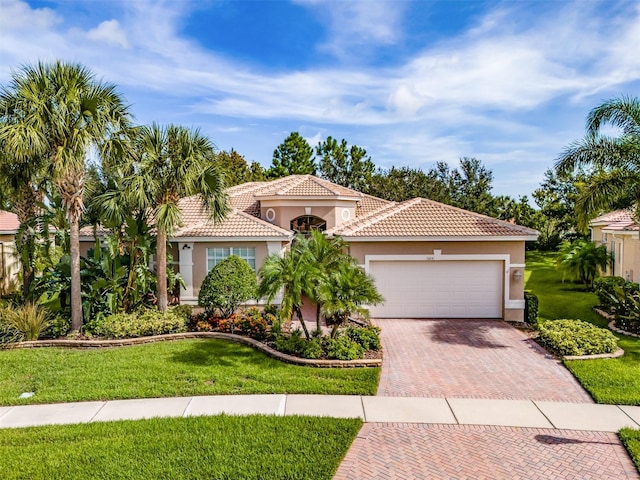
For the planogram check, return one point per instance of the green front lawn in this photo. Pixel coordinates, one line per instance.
(166, 369)
(221, 447)
(615, 380)
(631, 440)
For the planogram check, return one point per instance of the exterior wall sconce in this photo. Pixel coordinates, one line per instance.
(518, 274)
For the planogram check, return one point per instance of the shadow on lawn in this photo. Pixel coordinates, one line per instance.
(214, 352)
(475, 333)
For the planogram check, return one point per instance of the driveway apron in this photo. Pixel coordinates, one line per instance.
(477, 359)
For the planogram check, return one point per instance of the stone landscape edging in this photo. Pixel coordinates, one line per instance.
(612, 326)
(90, 344)
(618, 353)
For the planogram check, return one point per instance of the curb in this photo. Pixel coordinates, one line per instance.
(612, 326)
(92, 344)
(618, 353)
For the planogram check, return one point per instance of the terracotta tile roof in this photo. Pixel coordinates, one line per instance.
(624, 215)
(368, 204)
(420, 217)
(618, 220)
(237, 224)
(305, 186)
(9, 222)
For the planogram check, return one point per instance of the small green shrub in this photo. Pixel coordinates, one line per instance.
(228, 284)
(313, 348)
(293, 344)
(138, 324)
(343, 348)
(606, 289)
(576, 337)
(367, 337)
(29, 321)
(59, 326)
(182, 310)
(530, 308)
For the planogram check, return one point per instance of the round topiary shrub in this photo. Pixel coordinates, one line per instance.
(228, 284)
(576, 337)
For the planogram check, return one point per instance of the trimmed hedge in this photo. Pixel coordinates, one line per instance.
(576, 337)
(138, 324)
(530, 308)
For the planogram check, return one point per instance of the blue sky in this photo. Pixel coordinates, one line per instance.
(413, 82)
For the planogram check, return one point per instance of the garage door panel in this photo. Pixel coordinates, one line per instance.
(440, 289)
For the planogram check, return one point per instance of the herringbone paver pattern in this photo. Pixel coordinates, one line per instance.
(470, 359)
(456, 452)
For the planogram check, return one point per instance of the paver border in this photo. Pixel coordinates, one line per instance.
(93, 344)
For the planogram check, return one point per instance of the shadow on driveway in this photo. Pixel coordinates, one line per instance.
(473, 333)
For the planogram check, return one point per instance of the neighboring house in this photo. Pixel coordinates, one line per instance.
(429, 260)
(9, 260)
(621, 234)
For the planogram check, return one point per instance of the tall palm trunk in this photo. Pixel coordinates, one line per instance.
(76, 293)
(161, 269)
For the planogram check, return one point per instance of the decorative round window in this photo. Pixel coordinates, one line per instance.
(270, 214)
(346, 214)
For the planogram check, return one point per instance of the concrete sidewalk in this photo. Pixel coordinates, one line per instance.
(419, 410)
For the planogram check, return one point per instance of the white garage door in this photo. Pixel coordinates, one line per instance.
(441, 289)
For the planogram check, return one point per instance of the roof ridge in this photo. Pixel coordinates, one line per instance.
(476, 214)
(259, 220)
(348, 224)
(380, 215)
(294, 181)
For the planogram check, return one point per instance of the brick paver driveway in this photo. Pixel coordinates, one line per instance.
(457, 452)
(470, 359)
(477, 359)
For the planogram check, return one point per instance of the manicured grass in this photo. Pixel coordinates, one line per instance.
(222, 447)
(615, 380)
(166, 369)
(631, 440)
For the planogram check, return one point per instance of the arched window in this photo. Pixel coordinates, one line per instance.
(305, 223)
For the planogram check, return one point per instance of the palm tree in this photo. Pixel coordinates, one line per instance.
(22, 189)
(583, 260)
(61, 112)
(345, 291)
(616, 160)
(171, 163)
(327, 254)
(291, 274)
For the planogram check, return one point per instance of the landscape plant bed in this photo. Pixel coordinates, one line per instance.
(166, 369)
(372, 358)
(250, 447)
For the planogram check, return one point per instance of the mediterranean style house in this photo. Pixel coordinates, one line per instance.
(621, 235)
(428, 259)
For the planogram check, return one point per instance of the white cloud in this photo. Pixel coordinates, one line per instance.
(109, 32)
(17, 15)
(355, 24)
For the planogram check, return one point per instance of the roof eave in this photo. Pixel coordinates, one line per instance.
(442, 238)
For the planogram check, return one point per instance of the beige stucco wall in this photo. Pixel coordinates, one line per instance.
(329, 210)
(200, 258)
(514, 249)
(10, 264)
(626, 249)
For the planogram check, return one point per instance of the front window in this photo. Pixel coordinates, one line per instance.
(306, 223)
(216, 255)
